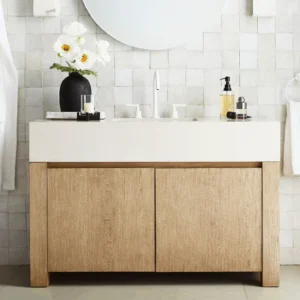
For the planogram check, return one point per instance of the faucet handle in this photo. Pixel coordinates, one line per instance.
(174, 110)
(138, 110)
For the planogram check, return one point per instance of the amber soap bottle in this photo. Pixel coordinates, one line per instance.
(226, 98)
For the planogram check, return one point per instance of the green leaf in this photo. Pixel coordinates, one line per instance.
(71, 69)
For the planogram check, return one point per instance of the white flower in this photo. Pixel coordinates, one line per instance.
(80, 40)
(74, 29)
(66, 47)
(85, 60)
(102, 52)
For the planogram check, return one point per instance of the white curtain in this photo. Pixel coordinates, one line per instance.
(8, 110)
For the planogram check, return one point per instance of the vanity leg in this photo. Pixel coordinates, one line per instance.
(271, 227)
(39, 276)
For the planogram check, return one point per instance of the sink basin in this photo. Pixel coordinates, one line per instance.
(154, 120)
(155, 140)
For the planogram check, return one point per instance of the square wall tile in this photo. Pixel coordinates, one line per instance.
(284, 41)
(248, 42)
(3, 203)
(176, 94)
(177, 58)
(231, 41)
(123, 77)
(142, 95)
(266, 78)
(266, 25)
(266, 41)
(266, 60)
(194, 77)
(143, 77)
(286, 238)
(3, 221)
(16, 204)
(296, 234)
(16, 42)
(231, 7)
(69, 7)
(296, 256)
(230, 60)
(123, 95)
(159, 59)
(17, 221)
(18, 239)
(34, 25)
(15, 25)
(248, 23)
(230, 23)
(286, 220)
(212, 77)
(212, 41)
(212, 60)
(284, 60)
(18, 256)
(248, 78)
(34, 60)
(33, 79)
(3, 239)
(194, 95)
(34, 42)
(286, 256)
(52, 25)
(284, 24)
(3, 256)
(248, 60)
(266, 95)
(176, 77)
(195, 60)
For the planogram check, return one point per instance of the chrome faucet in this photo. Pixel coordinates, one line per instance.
(156, 87)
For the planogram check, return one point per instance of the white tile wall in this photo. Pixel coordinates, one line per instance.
(260, 54)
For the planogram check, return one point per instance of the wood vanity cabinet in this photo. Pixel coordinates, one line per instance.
(101, 220)
(154, 217)
(208, 220)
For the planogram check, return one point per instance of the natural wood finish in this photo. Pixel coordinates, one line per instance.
(271, 224)
(38, 225)
(101, 220)
(156, 165)
(208, 220)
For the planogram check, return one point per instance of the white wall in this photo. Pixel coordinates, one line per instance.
(260, 54)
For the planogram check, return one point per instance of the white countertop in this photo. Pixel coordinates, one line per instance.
(206, 140)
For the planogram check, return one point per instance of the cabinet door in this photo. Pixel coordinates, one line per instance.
(101, 220)
(209, 220)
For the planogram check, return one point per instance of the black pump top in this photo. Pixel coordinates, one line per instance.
(227, 86)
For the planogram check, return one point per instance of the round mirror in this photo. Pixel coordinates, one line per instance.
(153, 24)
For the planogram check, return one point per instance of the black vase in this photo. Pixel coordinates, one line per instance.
(71, 90)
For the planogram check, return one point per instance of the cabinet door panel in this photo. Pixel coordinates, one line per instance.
(101, 220)
(208, 220)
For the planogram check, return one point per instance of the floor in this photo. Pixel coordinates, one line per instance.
(14, 282)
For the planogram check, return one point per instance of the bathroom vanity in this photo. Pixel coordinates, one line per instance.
(154, 196)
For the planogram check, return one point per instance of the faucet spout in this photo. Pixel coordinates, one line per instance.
(156, 87)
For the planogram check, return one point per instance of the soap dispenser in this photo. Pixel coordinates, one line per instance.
(226, 98)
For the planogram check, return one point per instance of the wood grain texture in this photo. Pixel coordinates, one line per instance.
(101, 220)
(271, 224)
(38, 225)
(208, 220)
(167, 165)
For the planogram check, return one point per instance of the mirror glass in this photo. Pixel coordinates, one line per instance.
(154, 24)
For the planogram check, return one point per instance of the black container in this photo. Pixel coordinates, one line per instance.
(71, 90)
